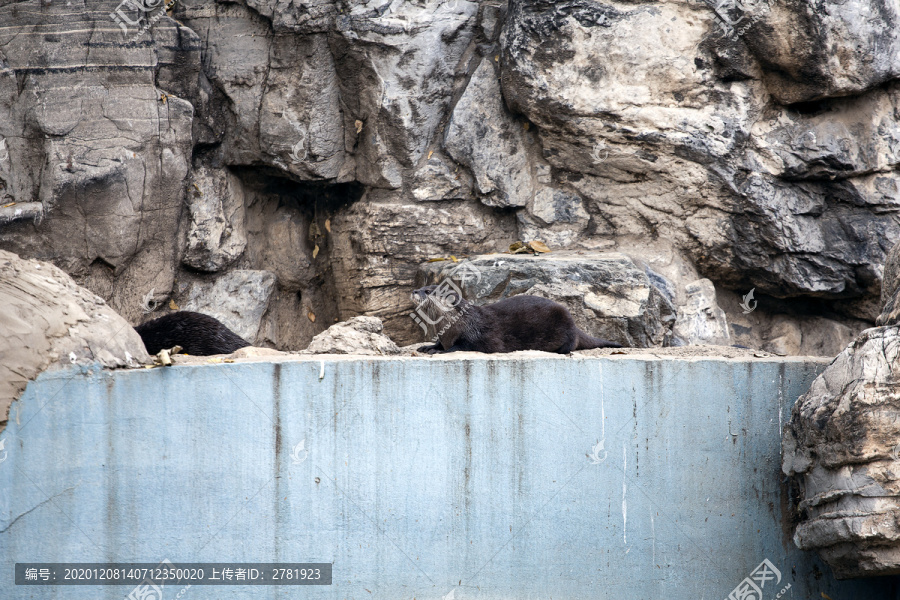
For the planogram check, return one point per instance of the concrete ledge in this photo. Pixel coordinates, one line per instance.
(417, 476)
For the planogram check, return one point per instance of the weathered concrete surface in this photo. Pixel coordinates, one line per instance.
(417, 474)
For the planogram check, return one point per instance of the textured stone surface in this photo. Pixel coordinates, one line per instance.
(662, 144)
(216, 234)
(757, 142)
(485, 138)
(890, 303)
(810, 51)
(608, 295)
(359, 335)
(48, 321)
(700, 320)
(841, 447)
(239, 299)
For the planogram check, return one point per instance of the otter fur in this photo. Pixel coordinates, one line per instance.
(196, 333)
(516, 323)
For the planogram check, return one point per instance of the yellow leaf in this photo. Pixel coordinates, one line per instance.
(315, 251)
(359, 126)
(328, 225)
(311, 316)
(497, 58)
(453, 258)
(435, 259)
(430, 152)
(539, 246)
(172, 305)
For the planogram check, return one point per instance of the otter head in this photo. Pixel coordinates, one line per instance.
(438, 301)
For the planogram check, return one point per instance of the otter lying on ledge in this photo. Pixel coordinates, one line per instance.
(516, 323)
(196, 333)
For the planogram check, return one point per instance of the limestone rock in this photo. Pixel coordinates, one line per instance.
(461, 127)
(217, 235)
(678, 139)
(841, 448)
(359, 335)
(700, 320)
(607, 294)
(795, 41)
(378, 246)
(97, 144)
(239, 299)
(48, 321)
(485, 138)
(890, 289)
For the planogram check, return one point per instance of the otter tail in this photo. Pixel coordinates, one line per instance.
(586, 342)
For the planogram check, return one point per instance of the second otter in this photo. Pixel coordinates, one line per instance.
(516, 323)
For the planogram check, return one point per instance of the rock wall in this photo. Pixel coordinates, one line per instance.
(293, 164)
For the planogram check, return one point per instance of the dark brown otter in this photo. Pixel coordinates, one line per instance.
(196, 333)
(516, 323)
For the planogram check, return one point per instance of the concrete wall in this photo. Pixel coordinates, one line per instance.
(418, 478)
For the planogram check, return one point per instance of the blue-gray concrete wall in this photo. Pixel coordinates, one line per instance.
(418, 478)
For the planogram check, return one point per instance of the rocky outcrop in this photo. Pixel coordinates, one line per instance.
(606, 293)
(338, 145)
(841, 447)
(48, 321)
(809, 53)
(661, 143)
(238, 299)
(700, 320)
(359, 335)
(890, 289)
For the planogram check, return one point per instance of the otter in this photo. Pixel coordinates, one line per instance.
(516, 323)
(196, 333)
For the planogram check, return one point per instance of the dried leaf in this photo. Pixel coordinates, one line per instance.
(359, 126)
(435, 259)
(316, 251)
(328, 225)
(172, 305)
(453, 258)
(515, 246)
(311, 316)
(526, 125)
(8, 205)
(430, 152)
(539, 246)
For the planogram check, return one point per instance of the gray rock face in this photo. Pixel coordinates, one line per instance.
(484, 137)
(607, 294)
(841, 448)
(239, 299)
(217, 234)
(700, 320)
(48, 321)
(384, 257)
(813, 51)
(890, 289)
(758, 141)
(661, 143)
(359, 335)
(100, 139)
